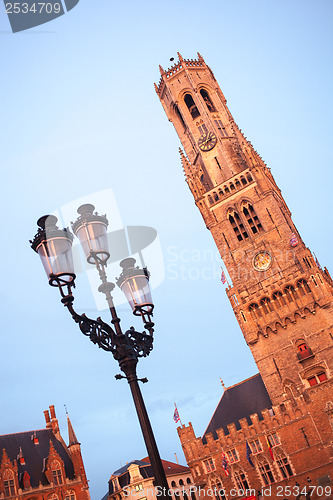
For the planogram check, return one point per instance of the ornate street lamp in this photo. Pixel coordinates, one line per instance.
(54, 248)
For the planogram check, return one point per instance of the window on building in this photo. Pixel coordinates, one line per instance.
(173, 484)
(220, 128)
(252, 218)
(138, 487)
(255, 446)
(314, 280)
(284, 465)
(303, 351)
(240, 479)
(53, 497)
(232, 455)
(318, 377)
(70, 495)
(273, 439)
(255, 311)
(218, 490)
(56, 473)
(265, 472)
(306, 262)
(207, 99)
(303, 287)
(290, 293)
(243, 181)
(9, 483)
(209, 465)
(237, 226)
(181, 482)
(202, 129)
(279, 299)
(191, 106)
(266, 305)
(193, 497)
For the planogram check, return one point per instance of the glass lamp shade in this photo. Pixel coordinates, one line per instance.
(91, 229)
(134, 282)
(54, 246)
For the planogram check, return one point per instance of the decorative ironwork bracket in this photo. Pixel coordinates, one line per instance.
(130, 345)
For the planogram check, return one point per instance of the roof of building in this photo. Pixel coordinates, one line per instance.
(239, 401)
(34, 454)
(146, 471)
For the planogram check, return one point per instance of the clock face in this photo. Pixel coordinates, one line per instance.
(207, 141)
(262, 261)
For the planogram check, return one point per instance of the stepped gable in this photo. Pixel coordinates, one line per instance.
(35, 455)
(239, 401)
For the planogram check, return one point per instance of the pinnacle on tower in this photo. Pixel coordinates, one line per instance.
(161, 70)
(180, 57)
(72, 439)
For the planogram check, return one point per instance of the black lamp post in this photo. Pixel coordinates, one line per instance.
(54, 248)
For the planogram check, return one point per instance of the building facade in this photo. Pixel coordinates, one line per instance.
(135, 482)
(273, 430)
(38, 465)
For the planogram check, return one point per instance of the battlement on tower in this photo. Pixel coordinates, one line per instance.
(177, 67)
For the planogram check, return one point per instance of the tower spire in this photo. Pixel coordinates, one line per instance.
(72, 439)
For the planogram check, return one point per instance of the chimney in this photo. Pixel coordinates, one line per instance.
(47, 419)
(54, 420)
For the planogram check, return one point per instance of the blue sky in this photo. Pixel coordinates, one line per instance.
(80, 116)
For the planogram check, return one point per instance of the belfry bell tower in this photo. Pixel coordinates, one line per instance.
(280, 295)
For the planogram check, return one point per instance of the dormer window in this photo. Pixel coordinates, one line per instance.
(56, 473)
(9, 483)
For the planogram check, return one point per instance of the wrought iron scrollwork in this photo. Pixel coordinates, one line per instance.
(131, 344)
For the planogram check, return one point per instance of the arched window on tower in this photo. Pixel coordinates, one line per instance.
(266, 305)
(278, 299)
(207, 99)
(180, 117)
(290, 293)
(303, 287)
(284, 464)
(191, 106)
(237, 225)
(252, 218)
(255, 311)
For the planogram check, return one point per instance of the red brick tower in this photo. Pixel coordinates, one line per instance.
(281, 297)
